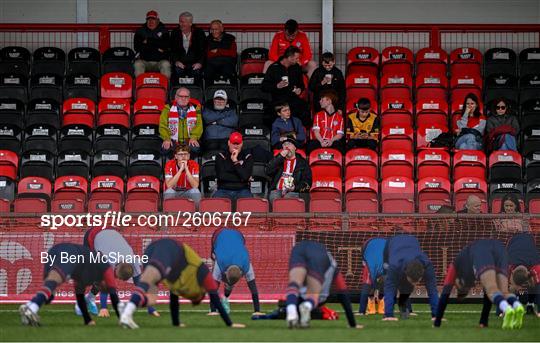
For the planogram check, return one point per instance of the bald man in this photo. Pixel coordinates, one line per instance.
(473, 205)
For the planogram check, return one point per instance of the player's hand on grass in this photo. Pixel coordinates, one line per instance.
(390, 319)
(182, 325)
(155, 314)
(359, 326)
(104, 313)
(413, 314)
(238, 326)
(213, 314)
(258, 314)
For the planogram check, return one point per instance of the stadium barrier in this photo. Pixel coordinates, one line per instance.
(269, 238)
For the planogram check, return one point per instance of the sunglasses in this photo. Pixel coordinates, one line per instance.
(501, 107)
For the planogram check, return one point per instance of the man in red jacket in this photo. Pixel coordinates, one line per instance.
(291, 36)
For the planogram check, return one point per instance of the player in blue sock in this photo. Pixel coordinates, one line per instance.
(83, 272)
(312, 273)
(485, 260)
(406, 266)
(231, 262)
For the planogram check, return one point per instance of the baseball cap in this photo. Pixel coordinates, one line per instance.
(152, 14)
(235, 138)
(220, 93)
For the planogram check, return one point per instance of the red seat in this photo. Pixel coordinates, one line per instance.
(363, 60)
(143, 193)
(397, 162)
(33, 195)
(147, 111)
(78, 111)
(69, 194)
(215, 205)
(431, 59)
(179, 205)
(289, 205)
(325, 162)
(395, 136)
(466, 186)
(430, 85)
(361, 162)
(259, 205)
(9, 164)
(426, 132)
(396, 111)
(433, 192)
(326, 188)
(151, 85)
(361, 86)
(397, 195)
(325, 205)
(361, 195)
(397, 59)
(469, 163)
(5, 205)
(432, 111)
(396, 85)
(106, 194)
(114, 111)
(252, 61)
(116, 85)
(433, 163)
(327, 221)
(465, 60)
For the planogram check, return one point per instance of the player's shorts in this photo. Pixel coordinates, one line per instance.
(314, 257)
(167, 256)
(65, 269)
(489, 254)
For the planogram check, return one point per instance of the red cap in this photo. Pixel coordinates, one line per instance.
(152, 14)
(235, 138)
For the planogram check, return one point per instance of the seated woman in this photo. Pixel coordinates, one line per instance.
(471, 125)
(510, 206)
(502, 127)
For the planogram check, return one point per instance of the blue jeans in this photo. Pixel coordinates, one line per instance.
(233, 194)
(468, 142)
(509, 142)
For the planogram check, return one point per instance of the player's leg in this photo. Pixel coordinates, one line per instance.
(517, 307)
(151, 309)
(488, 279)
(297, 277)
(29, 311)
(314, 288)
(142, 295)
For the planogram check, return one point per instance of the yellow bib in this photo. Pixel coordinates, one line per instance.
(187, 285)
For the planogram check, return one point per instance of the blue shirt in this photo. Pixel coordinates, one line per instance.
(230, 249)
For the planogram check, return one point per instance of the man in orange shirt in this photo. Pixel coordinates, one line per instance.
(291, 36)
(182, 176)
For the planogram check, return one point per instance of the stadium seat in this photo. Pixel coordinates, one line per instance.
(396, 85)
(529, 87)
(361, 86)
(15, 60)
(40, 137)
(46, 85)
(77, 125)
(109, 162)
(145, 162)
(151, 85)
(12, 113)
(395, 136)
(84, 60)
(463, 84)
(325, 162)
(426, 132)
(33, 195)
(465, 61)
(9, 164)
(363, 60)
(326, 187)
(117, 86)
(145, 132)
(252, 60)
(222, 80)
(251, 87)
(431, 60)
(361, 162)
(529, 61)
(500, 60)
(397, 195)
(14, 86)
(434, 110)
(397, 162)
(254, 205)
(499, 85)
(289, 205)
(143, 194)
(106, 194)
(114, 111)
(466, 186)
(396, 111)
(11, 139)
(7, 193)
(118, 60)
(113, 125)
(179, 205)
(50, 60)
(73, 163)
(532, 166)
(433, 163)
(430, 85)
(362, 194)
(69, 194)
(81, 86)
(43, 112)
(469, 163)
(433, 192)
(397, 59)
(215, 205)
(497, 191)
(326, 221)
(532, 198)
(37, 163)
(505, 166)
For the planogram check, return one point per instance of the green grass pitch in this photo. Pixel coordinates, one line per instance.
(59, 323)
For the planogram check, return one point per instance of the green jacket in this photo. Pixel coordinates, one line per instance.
(183, 135)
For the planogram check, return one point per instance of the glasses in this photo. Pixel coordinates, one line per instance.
(182, 96)
(182, 153)
(501, 107)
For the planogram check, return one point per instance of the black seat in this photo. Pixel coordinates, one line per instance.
(259, 180)
(532, 166)
(7, 188)
(46, 86)
(12, 112)
(40, 137)
(73, 163)
(11, 137)
(145, 162)
(81, 86)
(118, 60)
(37, 163)
(84, 61)
(499, 85)
(109, 162)
(76, 138)
(223, 80)
(146, 136)
(15, 60)
(251, 88)
(43, 111)
(195, 92)
(529, 61)
(112, 135)
(232, 92)
(208, 176)
(500, 61)
(14, 86)
(49, 60)
(529, 87)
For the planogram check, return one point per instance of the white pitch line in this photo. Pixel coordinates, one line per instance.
(201, 311)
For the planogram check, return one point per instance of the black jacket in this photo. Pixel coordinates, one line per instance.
(197, 48)
(274, 75)
(233, 176)
(338, 84)
(301, 173)
(155, 39)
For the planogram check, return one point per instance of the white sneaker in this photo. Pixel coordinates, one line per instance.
(127, 322)
(121, 307)
(292, 317)
(305, 314)
(28, 317)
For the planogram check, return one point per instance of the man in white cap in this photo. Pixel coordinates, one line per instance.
(151, 44)
(220, 120)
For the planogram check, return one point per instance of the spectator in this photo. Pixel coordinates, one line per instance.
(286, 127)
(327, 124)
(327, 76)
(289, 173)
(188, 47)
(152, 47)
(472, 206)
(233, 170)
(181, 122)
(220, 121)
(221, 52)
(182, 176)
(362, 126)
(284, 81)
(510, 205)
(471, 125)
(291, 36)
(502, 127)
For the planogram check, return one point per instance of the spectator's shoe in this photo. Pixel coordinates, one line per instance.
(517, 323)
(371, 308)
(508, 318)
(292, 318)
(305, 314)
(380, 307)
(226, 305)
(28, 317)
